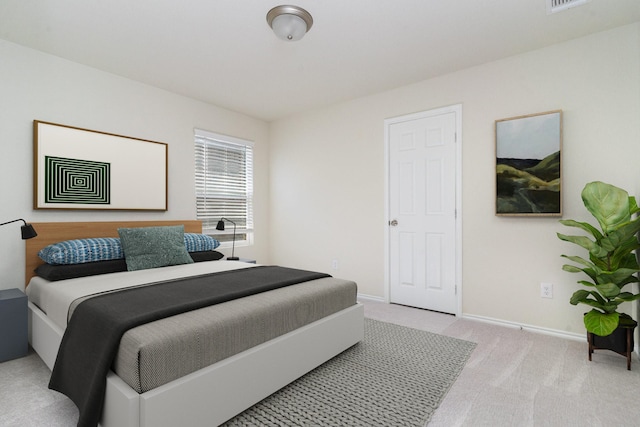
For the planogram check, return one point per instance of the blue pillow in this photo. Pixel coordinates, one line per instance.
(151, 247)
(199, 242)
(80, 251)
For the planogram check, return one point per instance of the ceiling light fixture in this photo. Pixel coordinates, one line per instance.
(290, 23)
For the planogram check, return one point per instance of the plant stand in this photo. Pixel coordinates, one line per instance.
(620, 341)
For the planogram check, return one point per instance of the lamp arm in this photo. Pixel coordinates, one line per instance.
(15, 220)
(233, 248)
(220, 226)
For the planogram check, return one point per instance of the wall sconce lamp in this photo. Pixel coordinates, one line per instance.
(220, 226)
(28, 231)
(290, 23)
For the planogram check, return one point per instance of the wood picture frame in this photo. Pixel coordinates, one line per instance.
(528, 165)
(77, 168)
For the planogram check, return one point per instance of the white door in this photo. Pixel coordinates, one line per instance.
(422, 186)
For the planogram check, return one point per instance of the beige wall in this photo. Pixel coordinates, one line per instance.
(319, 180)
(34, 85)
(327, 173)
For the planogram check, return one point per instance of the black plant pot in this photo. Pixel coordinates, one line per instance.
(620, 341)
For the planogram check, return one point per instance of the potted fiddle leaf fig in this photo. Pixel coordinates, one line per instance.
(611, 263)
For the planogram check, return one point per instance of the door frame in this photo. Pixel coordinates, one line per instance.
(457, 109)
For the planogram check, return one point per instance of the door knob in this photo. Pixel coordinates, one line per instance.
(393, 222)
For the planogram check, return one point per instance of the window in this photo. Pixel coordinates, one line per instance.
(224, 185)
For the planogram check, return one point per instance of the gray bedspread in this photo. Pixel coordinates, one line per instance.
(159, 352)
(91, 341)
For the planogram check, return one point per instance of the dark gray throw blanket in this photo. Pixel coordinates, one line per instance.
(92, 337)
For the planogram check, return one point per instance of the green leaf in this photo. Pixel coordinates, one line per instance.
(633, 206)
(608, 290)
(586, 243)
(629, 261)
(626, 321)
(583, 225)
(579, 296)
(601, 262)
(607, 244)
(623, 255)
(584, 282)
(611, 307)
(628, 296)
(601, 301)
(591, 272)
(624, 232)
(607, 203)
(571, 268)
(579, 260)
(582, 296)
(617, 276)
(600, 323)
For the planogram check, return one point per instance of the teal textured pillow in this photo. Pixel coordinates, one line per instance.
(151, 247)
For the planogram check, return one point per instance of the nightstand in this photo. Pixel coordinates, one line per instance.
(13, 324)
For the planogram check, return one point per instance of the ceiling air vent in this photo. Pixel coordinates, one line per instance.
(554, 6)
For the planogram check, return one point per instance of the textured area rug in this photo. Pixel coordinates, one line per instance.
(396, 376)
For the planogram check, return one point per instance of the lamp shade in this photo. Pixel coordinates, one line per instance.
(28, 232)
(289, 23)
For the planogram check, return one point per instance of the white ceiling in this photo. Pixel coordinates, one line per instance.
(223, 52)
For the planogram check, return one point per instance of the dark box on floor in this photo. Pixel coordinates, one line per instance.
(13, 324)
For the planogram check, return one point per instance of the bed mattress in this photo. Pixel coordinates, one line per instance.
(159, 352)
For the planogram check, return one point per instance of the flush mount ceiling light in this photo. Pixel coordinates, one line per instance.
(290, 23)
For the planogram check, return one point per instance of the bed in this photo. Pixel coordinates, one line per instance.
(214, 393)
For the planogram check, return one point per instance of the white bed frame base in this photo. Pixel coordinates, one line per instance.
(218, 392)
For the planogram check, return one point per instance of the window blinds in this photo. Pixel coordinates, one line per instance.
(224, 183)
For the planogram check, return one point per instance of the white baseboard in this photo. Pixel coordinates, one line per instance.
(525, 327)
(370, 298)
(536, 329)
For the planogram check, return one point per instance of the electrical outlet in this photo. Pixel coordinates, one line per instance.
(335, 264)
(546, 290)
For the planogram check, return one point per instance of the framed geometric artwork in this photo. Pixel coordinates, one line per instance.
(528, 165)
(78, 168)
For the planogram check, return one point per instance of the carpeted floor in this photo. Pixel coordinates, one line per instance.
(396, 376)
(513, 378)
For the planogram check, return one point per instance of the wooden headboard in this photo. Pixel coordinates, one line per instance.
(53, 232)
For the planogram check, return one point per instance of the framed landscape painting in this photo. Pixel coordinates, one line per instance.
(78, 168)
(528, 165)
